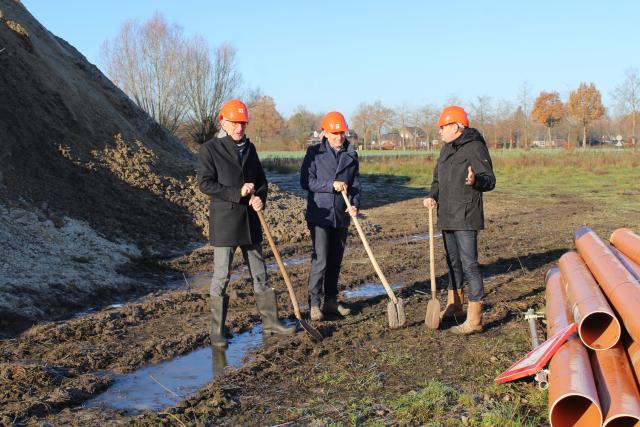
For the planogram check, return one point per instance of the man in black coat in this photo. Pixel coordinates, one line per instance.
(231, 174)
(463, 172)
(329, 168)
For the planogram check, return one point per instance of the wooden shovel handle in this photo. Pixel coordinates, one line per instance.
(276, 254)
(371, 257)
(431, 255)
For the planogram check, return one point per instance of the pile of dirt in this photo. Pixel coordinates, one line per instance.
(59, 119)
(88, 181)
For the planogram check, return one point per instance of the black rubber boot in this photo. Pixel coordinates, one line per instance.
(218, 317)
(266, 302)
(218, 360)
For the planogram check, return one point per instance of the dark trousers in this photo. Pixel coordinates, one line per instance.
(328, 249)
(461, 247)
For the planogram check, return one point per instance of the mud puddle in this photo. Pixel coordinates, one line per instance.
(159, 386)
(422, 237)
(368, 290)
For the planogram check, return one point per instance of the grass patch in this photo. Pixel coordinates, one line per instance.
(428, 404)
(599, 176)
(509, 415)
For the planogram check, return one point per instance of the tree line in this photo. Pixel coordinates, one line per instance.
(180, 81)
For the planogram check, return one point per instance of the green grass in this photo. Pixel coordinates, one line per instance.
(437, 404)
(428, 404)
(602, 176)
(293, 155)
(599, 176)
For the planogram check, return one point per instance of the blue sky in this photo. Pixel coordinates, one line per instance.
(333, 55)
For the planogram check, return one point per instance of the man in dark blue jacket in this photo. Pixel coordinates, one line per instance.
(328, 169)
(463, 172)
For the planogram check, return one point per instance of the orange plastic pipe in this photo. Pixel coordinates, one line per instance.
(620, 286)
(598, 326)
(632, 266)
(627, 242)
(617, 387)
(573, 398)
(633, 351)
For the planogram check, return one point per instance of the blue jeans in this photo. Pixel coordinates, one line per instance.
(461, 247)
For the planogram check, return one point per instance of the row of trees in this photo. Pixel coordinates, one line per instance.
(506, 123)
(584, 105)
(181, 81)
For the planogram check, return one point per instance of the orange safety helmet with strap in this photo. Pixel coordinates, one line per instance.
(453, 114)
(234, 110)
(334, 122)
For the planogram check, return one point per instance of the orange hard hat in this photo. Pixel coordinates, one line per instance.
(453, 114)
(234, 110)
(334, 122)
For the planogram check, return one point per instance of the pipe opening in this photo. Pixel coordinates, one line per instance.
(576, 411)
(623, 421)
(599, 331)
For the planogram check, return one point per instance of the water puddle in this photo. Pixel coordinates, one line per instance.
(158, 386)
(289, 262)
(422, 237)
(368, 290)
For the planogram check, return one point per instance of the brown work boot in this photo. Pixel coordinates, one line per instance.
(473, 323)
(455, 299)
(316, 314)
(332, 306)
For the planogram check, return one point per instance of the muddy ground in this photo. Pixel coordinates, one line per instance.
(363, 373)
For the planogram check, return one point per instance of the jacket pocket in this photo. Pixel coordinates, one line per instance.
(459, 209)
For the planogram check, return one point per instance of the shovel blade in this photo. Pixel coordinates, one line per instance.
(396, 315)
(315, 334)
(432, 318)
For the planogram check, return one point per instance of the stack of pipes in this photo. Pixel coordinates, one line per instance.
(593, 377)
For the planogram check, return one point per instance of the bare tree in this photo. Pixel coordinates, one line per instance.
(524, 100)
(481, 111)
(301, 123)
(362, 122)
(208, 85)
(505, 123)
(585, 104)
(627, 96)
(381, 117)
(428, 119)
(171, 78)
(146, 62)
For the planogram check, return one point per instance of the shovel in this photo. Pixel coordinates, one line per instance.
(395, 308)
(294, 301)
(432, 318)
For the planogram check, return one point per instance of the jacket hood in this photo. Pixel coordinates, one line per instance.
(468, 135)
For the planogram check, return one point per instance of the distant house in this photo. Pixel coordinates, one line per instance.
(390, 141)
(413, 137)
(316, 136)
(556, 143)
